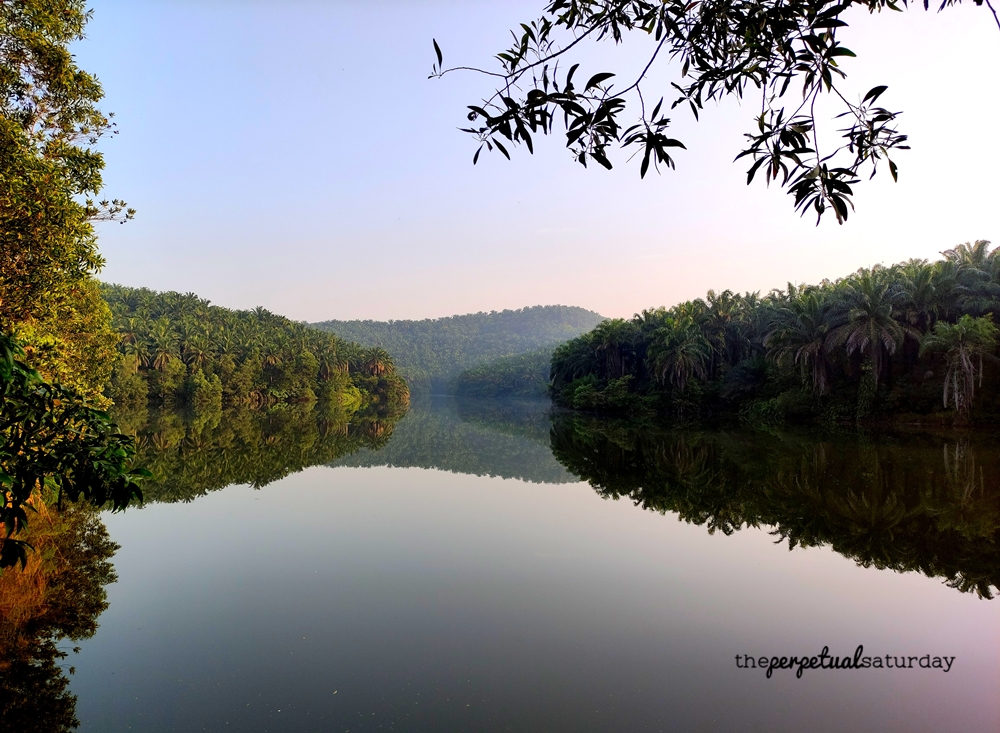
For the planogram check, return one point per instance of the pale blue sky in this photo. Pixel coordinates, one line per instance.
(295, 155)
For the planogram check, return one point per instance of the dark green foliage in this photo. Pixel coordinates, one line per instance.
(762, 48)
(908, 503)
(431, 353)
(179, 349)
(520, 376)
(53, 441)
(867, 347)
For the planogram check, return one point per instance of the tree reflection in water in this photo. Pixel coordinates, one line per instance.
(900, 502)
(61, 593)
(191, 454)
(56, 598)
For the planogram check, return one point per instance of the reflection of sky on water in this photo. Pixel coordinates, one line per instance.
(442, 601)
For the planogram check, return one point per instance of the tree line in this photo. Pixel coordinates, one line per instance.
(917, 337)
(179, 349)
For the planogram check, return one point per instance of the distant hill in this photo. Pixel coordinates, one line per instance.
(432, 352)
(521, 376)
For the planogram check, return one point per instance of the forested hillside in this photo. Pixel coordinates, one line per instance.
(179, 349)
(915, 338)
(432, 352)
(523, 376)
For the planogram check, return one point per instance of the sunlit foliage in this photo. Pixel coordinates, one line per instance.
(50, 176)
(180, 349)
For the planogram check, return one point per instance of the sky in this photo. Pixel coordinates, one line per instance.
(295, 155)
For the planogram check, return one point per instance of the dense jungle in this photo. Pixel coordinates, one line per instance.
(913, 342)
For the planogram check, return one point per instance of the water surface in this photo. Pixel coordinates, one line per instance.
(488, 569)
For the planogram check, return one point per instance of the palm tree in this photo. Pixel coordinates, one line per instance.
(962, 343)
(870, 298)
(139, 350)
(720, 324)
(272, 354)
(377, 361)
(164, 342)
(679, 352)
(615, 339)
(197, 350)
(920, 305)
(971, 256)
(571, 360)
(802, 333)
(977, 270)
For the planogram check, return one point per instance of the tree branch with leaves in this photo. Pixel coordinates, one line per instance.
(725, 48)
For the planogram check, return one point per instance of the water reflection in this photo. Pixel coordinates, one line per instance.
(921, 503)
(903, 502)
(509, 440)
(191, 453)
(56, 599)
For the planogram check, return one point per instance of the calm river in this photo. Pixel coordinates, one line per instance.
(471, 569)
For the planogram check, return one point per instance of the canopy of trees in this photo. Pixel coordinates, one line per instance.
(56, 341)
(432, 352)
(521, 376)
(50, 174)
(916, 337)
(179, 349)
(784, 54)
